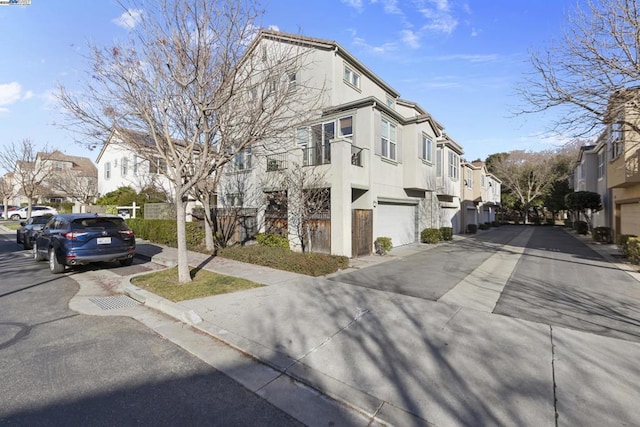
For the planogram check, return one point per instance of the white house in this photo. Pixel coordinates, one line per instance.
(385, 163)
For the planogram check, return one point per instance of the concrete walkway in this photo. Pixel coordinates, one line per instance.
(407, 361)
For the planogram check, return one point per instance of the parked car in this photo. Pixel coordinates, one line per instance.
(76, 239)
(21, 213)
(10, 208)
(26, 233)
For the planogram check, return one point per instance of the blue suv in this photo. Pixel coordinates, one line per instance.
(76, 239)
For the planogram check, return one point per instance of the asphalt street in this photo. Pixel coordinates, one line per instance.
(59, 367)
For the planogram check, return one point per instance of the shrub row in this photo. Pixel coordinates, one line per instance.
(313, 264)
(630, 246)
(435, 235)
(581, 227)
(272, 240)
(165, 232)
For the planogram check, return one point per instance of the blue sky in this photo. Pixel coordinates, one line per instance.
(460, 60)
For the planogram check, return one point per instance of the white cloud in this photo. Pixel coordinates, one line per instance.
(377, 50)
(274, 28)
(10, 93)
(28, 95)
(439, 16)
(129, 19)
(410, 38)
(469, 58)
(356, 4)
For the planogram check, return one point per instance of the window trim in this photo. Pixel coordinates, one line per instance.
(426, 149)
(453, 165)
(351, 77)
(390, 143)
(107, 171)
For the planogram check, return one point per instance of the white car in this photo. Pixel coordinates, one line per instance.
(35, 211)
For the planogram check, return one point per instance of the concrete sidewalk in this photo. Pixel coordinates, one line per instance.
(407, 361)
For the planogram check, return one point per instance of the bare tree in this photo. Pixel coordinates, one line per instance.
(528, 175)
(191, 81)
(7, 191)
(593, 62)
(29, 175)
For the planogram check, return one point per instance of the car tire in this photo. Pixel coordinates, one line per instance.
(126, 262)
(15, 217)
(36, 255)
(26, 244)
(54, 265)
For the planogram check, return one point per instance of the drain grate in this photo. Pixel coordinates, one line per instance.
(114, 302)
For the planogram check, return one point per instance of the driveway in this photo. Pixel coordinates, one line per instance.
(432, 273)
(552, 278)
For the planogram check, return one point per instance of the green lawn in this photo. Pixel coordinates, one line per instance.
(204, 283)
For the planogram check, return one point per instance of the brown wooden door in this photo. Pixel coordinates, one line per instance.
(362, 232)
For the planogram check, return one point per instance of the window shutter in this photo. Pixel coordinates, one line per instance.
(377, 135)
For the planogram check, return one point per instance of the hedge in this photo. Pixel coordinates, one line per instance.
(430, 235)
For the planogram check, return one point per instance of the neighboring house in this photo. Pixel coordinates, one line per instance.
(448, 186)
(119, 166)
(479, 194)
(55, 177)
(69, 178)
(589, 174)
(623, 169)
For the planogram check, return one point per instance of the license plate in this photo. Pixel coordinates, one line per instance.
(104, 240)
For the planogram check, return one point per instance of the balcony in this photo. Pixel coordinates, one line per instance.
(276, 162)
(625, 170)
(315, 156)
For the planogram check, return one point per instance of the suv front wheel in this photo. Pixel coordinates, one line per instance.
(15, 217)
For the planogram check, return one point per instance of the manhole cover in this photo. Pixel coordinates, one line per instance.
(114, 302)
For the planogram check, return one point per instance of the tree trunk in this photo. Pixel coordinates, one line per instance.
(208, 223)
(184, 273)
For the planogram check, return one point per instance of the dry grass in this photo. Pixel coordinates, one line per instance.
(204, 283)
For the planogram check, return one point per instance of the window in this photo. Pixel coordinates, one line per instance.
(389, 139)
(302, 136)
(135, 165)
(391, 103)
(426, 149)
(272, 86)
(601, 159)
(320, 150)
(292, 78)
(454, 164)
(242, 160)
(483, 180)
(439, 162)
(351, 77)
(158, 166)
(253, 93)
(469, 180)
(617, 136)
(234, 200)
(107, 170)
(124, 166)
(346, 127)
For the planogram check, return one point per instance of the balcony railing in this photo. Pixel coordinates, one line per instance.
(276, 162)
(356, 156)
(318, 155)
(632, 166)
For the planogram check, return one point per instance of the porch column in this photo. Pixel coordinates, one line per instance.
(340, 197)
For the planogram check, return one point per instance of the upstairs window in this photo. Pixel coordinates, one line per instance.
(439, 162)
(242, 160)
(426, 150)
(454, 165)
(292, 79)
(107, 170)
(617, 136)
(351, 77)
(469, 180)
(345, 127)
(124, 166)
(158, 166)
(389, 132)
(601, 159)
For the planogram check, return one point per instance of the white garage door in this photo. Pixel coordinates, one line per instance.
(630, 219)
(396, 221)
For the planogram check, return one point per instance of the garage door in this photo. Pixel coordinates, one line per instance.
(397, 221)
(630, 219)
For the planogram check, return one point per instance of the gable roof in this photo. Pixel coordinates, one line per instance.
(321, 44)
(80, 165)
